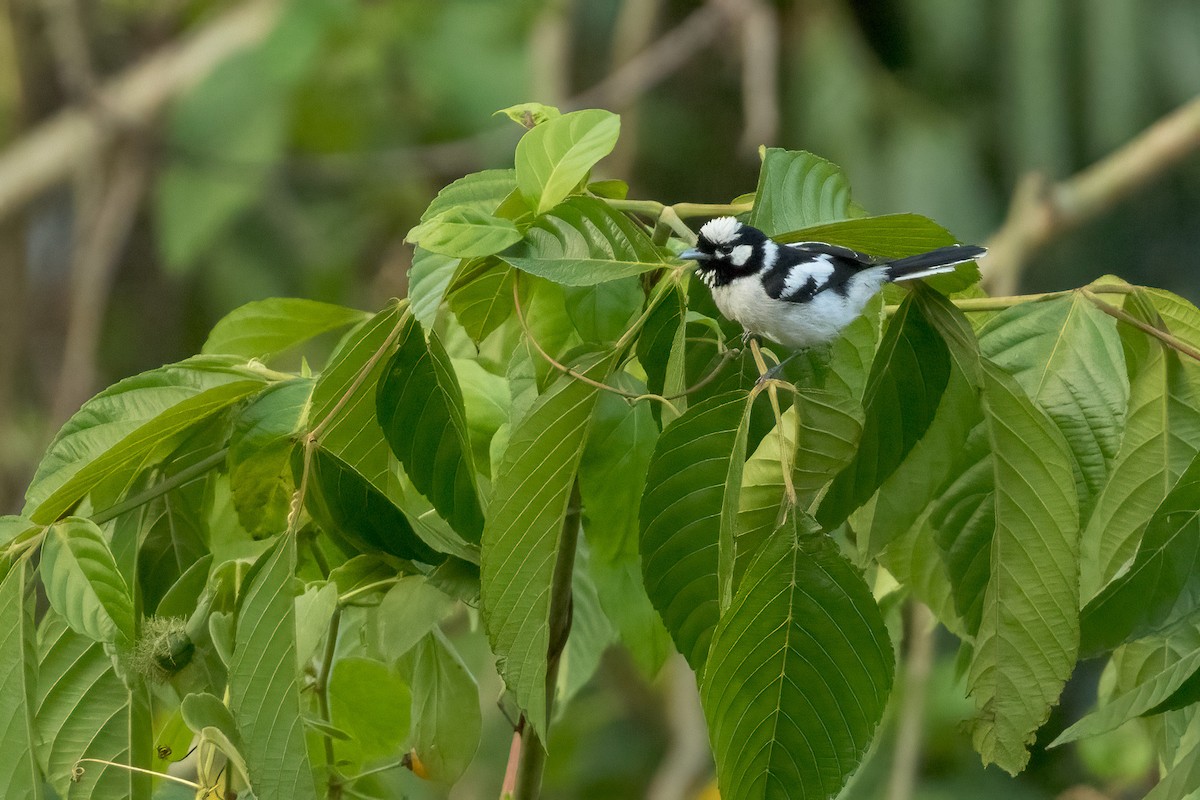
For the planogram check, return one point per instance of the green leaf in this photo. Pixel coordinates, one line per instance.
(908, 376)
(583, 242)
(798, 190)
(1067, 357)
(612, 476)
(483, 299)
(530, 114)
(85, 710)
(1028, 637)
(129, 426)
(908, 491)
(446, 719)
(264, 693)
(661, 346)
(359, 577)
(13, 527)
(891, 236)
(420, 407)
(554, 157)
(315, 608)
(260, 451)
(265, 328)
(480, 191)
(591, 634)
(410, 609)
(799, 672)
(1162, 436)
(1178, 664)
(372, 704)
(1181, 778)
(355, 490)
(687, 511)
(18, 685)
(428, 280)
(602, 313)
(520, 540)
(83, 583)
(465, 233)
(1144, 595)
(204, 710)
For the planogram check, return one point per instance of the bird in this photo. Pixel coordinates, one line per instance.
(802, 294)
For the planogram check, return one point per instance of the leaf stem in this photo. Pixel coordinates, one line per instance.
(184, 476)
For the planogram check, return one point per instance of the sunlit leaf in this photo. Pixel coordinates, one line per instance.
(465, 233)
(797, 190)
(264, 328)
(555, 156)
(83, 583)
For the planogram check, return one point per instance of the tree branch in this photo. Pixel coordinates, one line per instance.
(49, 153)
(1041, 210)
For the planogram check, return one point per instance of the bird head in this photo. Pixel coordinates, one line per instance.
(727, 249)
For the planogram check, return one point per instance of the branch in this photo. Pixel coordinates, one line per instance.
(49, 153)
(1041, 211)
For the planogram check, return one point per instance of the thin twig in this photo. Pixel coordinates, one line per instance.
(314, 435)
(333, 789)
(103, 231)
(1042, 211)
(1166, 338)
(184, 476)
(906, 757)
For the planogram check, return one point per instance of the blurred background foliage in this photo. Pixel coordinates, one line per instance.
(296, 166)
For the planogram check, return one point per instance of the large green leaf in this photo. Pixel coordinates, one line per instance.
(465, 233)
(264, 693)
(688, 512)
(1171, 659)
(85, 710)
(130, 425)
(1067, 357)
(410, 609)
(260, 450)
(612, 476)
(18, 686)
(481, 296)
(1144, 595)
(1162, 436)
(907, 492)
(799, 673)
(583, 242)
(797, 190)
(521, 537)
(446, 719)
(356, 489)
(83, 583)
(371, 703)
(908, 376)
(553, 158)
(420, 406)
(891, 236)
(263, 328)
(1029, 631)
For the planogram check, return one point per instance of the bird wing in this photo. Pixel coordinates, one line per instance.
(816, 249)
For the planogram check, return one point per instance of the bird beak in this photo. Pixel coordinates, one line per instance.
(694, 255)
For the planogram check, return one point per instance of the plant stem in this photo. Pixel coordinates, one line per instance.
(1123, 316)
(186, 475)
(333, 789)
(533, 751)
(975, 304)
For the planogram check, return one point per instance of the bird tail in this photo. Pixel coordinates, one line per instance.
(944, 259)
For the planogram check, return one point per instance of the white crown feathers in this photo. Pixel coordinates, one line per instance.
(721, 230)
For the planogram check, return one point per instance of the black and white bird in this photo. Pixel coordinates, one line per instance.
(801, 294)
